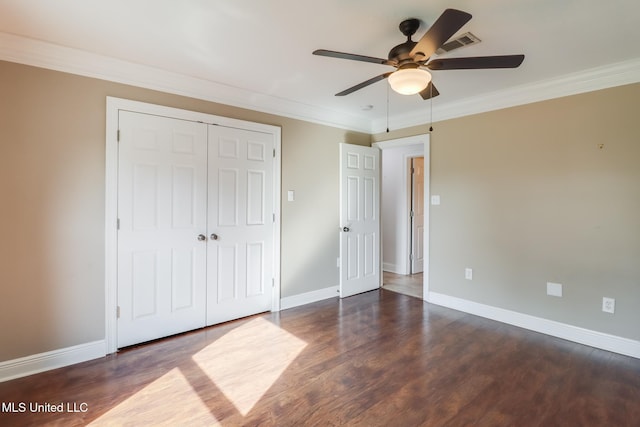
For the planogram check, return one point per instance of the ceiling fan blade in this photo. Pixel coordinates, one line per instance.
(445, 26)
(352, 56)
(477, 62)
(363, 84)
(429, 92)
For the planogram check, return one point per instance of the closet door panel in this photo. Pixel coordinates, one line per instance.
(240, 222)
(162, 209)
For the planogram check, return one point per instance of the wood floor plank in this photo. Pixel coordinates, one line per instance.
(375, 359)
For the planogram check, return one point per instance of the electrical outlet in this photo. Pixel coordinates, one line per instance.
(608, 305)
(468, 273)
(554, 289)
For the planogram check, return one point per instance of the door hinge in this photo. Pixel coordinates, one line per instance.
(118, 135)
(117, 312)
(274, 152)
(274, 217)
(118, 224)
(411, 214)
(273, 282)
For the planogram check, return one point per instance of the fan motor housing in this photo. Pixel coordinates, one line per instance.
(400, 53)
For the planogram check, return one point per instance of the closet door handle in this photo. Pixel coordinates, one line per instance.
(214, 236)
(202, 237)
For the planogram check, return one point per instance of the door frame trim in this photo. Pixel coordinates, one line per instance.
(113, 105)
(425, 141)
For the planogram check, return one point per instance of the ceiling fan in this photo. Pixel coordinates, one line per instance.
(410, 58)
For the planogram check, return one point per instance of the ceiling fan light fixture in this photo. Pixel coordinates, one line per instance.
(409, 81)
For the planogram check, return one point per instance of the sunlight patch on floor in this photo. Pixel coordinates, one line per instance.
(161, 400)
(247, 361)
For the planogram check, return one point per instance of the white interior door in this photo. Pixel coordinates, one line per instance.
(417, 215)
(240, 252)
(162, 178)
(359, 219)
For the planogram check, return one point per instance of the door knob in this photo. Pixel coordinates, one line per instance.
(202, 237)
(346, 229)
(214, 236)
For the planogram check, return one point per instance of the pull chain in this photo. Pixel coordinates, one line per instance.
(387, 108)
(430, 107)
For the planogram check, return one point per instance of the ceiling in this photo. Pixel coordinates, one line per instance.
(257, 54)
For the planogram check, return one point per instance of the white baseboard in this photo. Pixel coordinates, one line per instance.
(387, 266)
(588, 337)
(393, 268)
(41, 362)
(309, 297)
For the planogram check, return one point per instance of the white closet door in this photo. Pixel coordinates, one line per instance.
(359, 219)
(240, 224)
(162, 178)
(417, 215)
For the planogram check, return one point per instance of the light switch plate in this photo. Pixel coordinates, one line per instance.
(291, 195)
(435, 199)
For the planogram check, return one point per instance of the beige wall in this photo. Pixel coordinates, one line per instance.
(528, 197)
(52, 154)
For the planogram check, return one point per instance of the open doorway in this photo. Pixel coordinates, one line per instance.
(404, 215)
(411, 282)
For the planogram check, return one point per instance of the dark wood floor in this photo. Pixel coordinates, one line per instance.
(375, 359)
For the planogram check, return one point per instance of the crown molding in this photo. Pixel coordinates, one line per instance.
(59, 58)
(612, 75)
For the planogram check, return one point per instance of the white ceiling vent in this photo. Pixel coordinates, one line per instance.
(466, 39)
